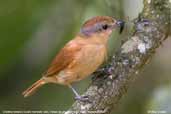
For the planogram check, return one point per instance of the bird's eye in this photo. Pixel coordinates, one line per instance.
(105, 26)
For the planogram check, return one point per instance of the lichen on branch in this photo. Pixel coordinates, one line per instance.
(151, 28)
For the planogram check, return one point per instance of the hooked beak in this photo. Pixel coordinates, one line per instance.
(121, 24)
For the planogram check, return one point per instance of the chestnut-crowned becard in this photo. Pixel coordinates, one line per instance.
(81, 56)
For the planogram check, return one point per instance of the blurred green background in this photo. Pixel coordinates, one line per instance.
(33, 31)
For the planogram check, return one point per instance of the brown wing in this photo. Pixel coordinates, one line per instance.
(63, 59)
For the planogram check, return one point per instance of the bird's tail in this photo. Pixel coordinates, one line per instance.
(33, 88)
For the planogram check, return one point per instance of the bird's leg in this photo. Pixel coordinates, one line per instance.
(77, 96)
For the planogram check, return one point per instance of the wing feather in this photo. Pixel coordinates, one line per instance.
(63, 58)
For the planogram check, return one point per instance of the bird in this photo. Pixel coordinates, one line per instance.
(81, 56)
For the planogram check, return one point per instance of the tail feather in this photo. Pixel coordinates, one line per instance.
(33, 88)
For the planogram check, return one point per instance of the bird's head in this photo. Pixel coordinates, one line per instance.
(101, 25)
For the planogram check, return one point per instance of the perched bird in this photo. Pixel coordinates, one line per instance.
(81, 56)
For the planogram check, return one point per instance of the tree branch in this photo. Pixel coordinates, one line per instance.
(150, 29)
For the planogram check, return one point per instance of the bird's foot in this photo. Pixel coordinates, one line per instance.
(101, 72)
(83, 98)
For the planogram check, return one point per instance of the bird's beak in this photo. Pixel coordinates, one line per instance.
(121, 24)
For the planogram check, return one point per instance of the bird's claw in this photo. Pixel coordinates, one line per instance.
(102, 72)
(83, 98)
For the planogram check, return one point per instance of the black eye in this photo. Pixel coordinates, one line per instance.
(105, 26)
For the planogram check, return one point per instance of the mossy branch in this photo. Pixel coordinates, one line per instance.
(151, 28)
